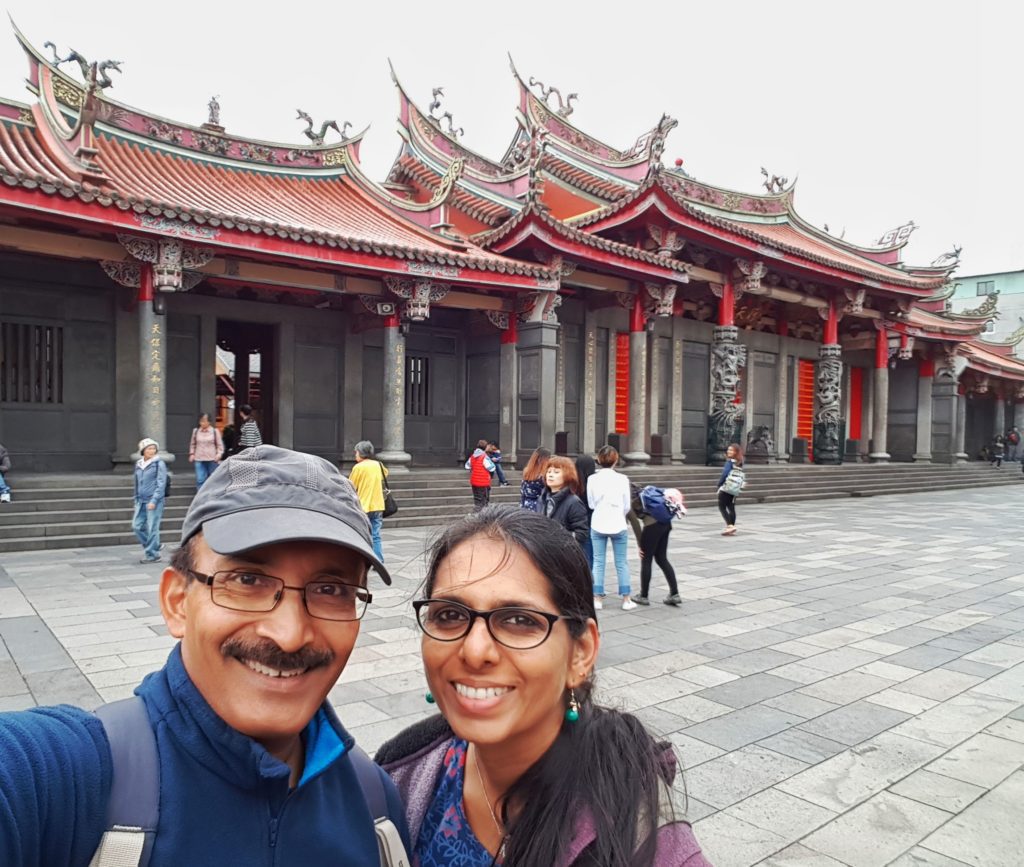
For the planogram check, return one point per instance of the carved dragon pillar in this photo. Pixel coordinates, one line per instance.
(828, 425)
(728, 357)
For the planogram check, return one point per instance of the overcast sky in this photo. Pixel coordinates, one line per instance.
(885, 111)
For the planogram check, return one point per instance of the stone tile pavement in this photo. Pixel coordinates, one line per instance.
(844, 683)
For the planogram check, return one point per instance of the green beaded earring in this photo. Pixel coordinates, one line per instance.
(572, 714)
(429, 697)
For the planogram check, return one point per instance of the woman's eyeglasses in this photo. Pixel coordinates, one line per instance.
(516, 628)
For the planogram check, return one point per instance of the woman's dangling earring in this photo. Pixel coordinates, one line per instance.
(572, 714)
(429, 697)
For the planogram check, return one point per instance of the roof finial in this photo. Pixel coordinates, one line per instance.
(563, 109)
(91, 72)
(435, 104)
(318, 138)
(213, 119)
(948, 260)
(775, 184)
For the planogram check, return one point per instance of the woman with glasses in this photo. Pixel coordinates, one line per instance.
(522, 767)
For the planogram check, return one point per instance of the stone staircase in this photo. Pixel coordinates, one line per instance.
(83, 510)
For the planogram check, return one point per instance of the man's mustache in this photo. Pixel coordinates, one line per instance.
(267, 653)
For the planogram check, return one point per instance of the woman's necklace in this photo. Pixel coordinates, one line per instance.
(490, 809)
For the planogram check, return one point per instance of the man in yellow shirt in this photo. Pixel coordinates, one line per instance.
(367, 477)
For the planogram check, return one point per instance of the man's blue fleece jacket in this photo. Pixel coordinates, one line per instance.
(224, 799)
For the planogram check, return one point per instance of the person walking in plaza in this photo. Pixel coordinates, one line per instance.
(480, 468)
(608, 496)
(1013, 443)
(150, 486)
(367, 477)
(494, 453)
(560, 500)
(728, 489)
(998, 451)
(5, 468)
(533, 483)
(522, 767)
(249, 433)
(231, 749)
(204, 449)
(652, 539)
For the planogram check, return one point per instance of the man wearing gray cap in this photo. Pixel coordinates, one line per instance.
(265, 595)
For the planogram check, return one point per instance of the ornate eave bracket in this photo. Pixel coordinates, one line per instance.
(854, 301)
(750, 274)
(540, 306)
(498, 318)
(906, 350)
(418, 296)
(174, 262)
(129, 274)
(662, 297)
(667, 240)
(950, 365)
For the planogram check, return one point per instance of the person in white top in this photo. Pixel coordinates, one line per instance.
(608, 497)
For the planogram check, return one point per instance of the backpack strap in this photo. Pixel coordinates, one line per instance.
(133, 810)
(389, 841)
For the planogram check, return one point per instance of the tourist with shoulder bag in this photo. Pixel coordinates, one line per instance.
(730, 483)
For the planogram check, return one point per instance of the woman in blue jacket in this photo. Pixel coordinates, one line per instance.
(150, 486)
(726, 500)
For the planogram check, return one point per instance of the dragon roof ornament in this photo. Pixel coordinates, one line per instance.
(775, 184)
(435, 105)
(317, 138)
(987, 310)
(564, 108)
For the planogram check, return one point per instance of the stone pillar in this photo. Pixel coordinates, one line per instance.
(507, 426)
(152, 366)
(637, 454)
(393, 415)
(588, 427)
(1018, 411)
(959, 455)
(880, 399)
(560, 384)
(828, 433)
(925, 387)
(675, 400)
(537, 362)
(1000, 414)
(782, 434)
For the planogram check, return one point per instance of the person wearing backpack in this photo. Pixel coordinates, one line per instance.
(480, 467)
(233, 742)
(367, 477)
(730, 483)
(655, 508)
(150, 493)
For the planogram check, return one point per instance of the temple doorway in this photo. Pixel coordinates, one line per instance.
(246, 353)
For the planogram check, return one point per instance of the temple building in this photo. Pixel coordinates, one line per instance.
(564, 294)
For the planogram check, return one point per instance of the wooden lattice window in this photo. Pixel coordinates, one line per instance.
(31, 363)
(417, 385)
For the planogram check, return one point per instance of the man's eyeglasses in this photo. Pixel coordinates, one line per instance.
(517, 628)
(240, 590)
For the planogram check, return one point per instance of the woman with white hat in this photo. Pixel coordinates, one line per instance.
(150, 487)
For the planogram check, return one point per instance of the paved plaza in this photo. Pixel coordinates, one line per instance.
(844, 683)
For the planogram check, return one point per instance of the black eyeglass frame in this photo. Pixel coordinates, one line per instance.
(207, 580)
(473, 613)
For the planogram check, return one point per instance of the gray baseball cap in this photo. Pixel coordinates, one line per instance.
(267, 494)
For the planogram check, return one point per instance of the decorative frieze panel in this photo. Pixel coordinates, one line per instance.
(123, 273)
(497, 318)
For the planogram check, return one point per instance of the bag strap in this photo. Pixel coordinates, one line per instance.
(133, 811)
(390, 847)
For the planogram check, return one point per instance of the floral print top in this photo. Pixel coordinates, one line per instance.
(445, 839)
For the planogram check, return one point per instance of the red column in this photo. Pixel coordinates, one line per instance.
(511, 333)
(391, 321)
(727, 306)
(882, 348)
(636, 317)
(783, 328)
(831, 325)
(926, 368)
(145, 282)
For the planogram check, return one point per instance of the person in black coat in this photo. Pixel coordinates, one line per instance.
(560, 500)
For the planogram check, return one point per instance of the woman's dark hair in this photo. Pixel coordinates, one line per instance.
(246, 410)
(585, 468)
(608, 456)
(605, 765)
(537, 465)
(203, 415)
(739, 452)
